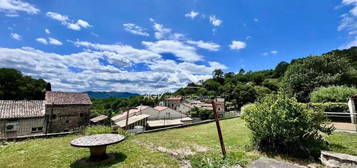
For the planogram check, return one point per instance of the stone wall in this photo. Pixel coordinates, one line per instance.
(24, 127)
(67, 117)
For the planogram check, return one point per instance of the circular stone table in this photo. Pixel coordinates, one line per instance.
(97, 144)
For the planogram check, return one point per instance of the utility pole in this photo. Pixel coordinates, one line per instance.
(127, 120)
(219, 129)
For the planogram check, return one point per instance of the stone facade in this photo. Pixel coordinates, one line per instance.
(66, 117)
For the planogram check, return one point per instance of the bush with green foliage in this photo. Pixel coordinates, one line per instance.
(329, 107)
(98, 129)
(202, 113)
(332, 94)
(281, 124)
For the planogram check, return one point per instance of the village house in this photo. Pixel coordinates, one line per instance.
(21, 117)
(60, 111)
(144, 115)
(67, 110)
(99, 120)
(185, 105)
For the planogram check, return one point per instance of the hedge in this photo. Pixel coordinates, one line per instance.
(330, 106)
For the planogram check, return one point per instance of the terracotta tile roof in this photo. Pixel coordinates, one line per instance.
(132, 112)
(99, 118)
(21, 109)
(160, 108)
(131, 120)
(65, 98)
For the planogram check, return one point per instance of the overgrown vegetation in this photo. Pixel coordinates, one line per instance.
(332, 94)
(281, 124)
(299, 78)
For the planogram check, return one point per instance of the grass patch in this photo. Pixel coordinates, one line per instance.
(57, 152)
(201, 139)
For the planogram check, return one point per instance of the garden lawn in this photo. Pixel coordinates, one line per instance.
(137, 150)
(57, 152)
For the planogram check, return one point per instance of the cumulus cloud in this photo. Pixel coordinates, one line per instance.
(237, 45)
(162, 32)
(54, 41)
(182, 51)
(134, 29)
(348, 23)
(162, 75)
(78, 25)
(15, 36)
(12, 7)
(42, 40)
(192, 14)
(215, 21)
(47, 31)
(205, 45)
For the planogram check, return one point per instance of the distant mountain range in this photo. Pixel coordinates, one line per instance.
(101, 95)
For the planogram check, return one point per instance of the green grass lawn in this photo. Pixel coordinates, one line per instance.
(136, 150)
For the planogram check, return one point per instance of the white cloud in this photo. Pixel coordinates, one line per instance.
(205, 45)
(192, 14)
(54, 41)
(134, 29)
(215, 21)
(47, 31)
(42, 40)
(58, 17)
(12, 7)
(349, 23)
(67, 22)
(274, 52)
(180, 50)
(162, 75)
(15, 36)
(162, 32)
(237, 45)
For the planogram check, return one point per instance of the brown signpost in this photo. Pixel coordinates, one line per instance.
(216, 118)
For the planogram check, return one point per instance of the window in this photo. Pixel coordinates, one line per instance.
(37, 129)
(81, 114)
(54, 116)
(67, 121)
(11, 126)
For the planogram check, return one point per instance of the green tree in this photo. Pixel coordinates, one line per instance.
(304, 75)
(243, 94)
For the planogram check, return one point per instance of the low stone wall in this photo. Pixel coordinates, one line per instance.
(334, 160)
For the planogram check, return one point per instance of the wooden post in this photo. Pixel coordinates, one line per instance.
(127, 120)
(219, 129)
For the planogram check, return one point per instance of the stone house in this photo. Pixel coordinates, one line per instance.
(21, 118)
(173, 102)
(60, 111)
(66, 111)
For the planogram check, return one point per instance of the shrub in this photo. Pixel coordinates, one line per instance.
(330, 107)
(281, 124)
(99, 129)
(246, 107)
(332, 94)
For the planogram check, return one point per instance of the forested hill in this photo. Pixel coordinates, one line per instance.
(299, 78)
(15, 86)
(101, 95)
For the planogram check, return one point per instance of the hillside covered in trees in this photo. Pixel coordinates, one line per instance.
(15, 86)
(299, 78)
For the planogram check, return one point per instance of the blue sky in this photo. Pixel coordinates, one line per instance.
(153, 46)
